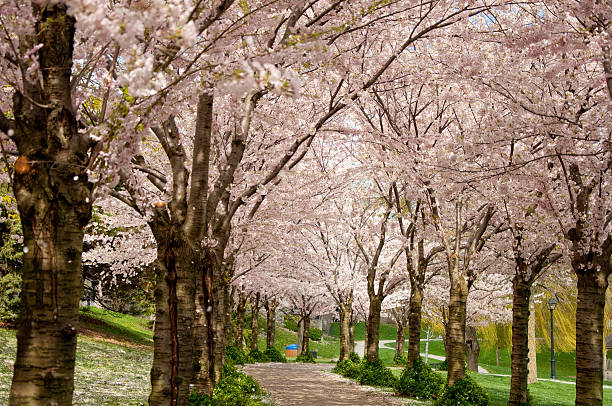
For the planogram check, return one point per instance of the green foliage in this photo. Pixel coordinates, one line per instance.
(306, 358)
(10, 288)
(464, 392)
(375, 374)
(234, 389)
(420, 381)
(353, 356)
(235, 355)
(399, 359)
(274, 355)
(443, 366)
(290, 324)
(315, 334)
(348, 369)
(258, 356)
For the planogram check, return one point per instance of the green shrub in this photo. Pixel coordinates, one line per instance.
(10, 288)
(291, 324)
(258, 356)
(315, 334)
(236, 356)
(443, 366)
(307, 358)
(464, 392)
(420, 381)
(348, 369)
(234, 389)
(353, 356)
(375, 374)
(274, 355)
(399, 359)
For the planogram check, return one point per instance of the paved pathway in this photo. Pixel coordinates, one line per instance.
(295, 384)
(360, 348)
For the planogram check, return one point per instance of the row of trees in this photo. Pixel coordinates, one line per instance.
(468, 123)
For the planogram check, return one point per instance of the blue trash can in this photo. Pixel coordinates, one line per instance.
(291, 350)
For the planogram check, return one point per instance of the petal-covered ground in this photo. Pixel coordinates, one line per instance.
(313, 384)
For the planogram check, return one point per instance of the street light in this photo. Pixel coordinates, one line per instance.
(552, 302)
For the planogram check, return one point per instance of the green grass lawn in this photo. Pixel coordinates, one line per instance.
(109, 323)
(105, 374)
(385, 331)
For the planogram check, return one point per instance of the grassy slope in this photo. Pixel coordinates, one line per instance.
(111, 369)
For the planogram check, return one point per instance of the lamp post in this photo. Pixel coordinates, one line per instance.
(552, 302)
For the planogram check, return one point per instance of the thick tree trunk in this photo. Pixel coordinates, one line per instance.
(202, 381)
(300, 335)
(173, 338)
(254, 322)
(400, 340)
(345, 334)
(306, 335)
(472, 348)
(521, 292)
(240, 312)
(204, 330)
(592, 285)
(532, 364)
(373, 329)
(414, 325)
(53, 197)
(455, 345)
(270, 323)
(351, 335)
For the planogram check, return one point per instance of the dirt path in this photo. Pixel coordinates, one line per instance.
(296, 384)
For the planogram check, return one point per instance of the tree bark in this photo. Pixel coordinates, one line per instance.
(520, 340)
(472, 348)
(270, 322)
(373, 329)
(240, 312)
(345, 334)
(456, 331)
(400, 340)
(592, 285)
(53, 197)
(532, 364)
(306, 335)
(351, 334)
(202, 381)
(254, 322)
(173, 338)
(414, 325)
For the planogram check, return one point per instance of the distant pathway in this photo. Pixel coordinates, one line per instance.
(360, 348)
(295, 384)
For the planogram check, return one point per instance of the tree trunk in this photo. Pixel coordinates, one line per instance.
(455, 345)
(521, 293)
(373, 329)
(400, 340)
(53, 197)
(592, 287)
(300, 335)
(306, 335)
(351, 335)
(414, 325)
(201, 381)
(240, 312)
(173, 338)
(345, 334)
(254, 322)
(271, 323)
(533, 364)
(472, 348)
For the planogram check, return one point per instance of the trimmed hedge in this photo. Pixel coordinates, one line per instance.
(234, 389)
(258, 356)
(274, 355)
(236, 356)
(464, 392)
(306, 358)
(420, 381)
(348, 369)
(353, 356)
(375, 374)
